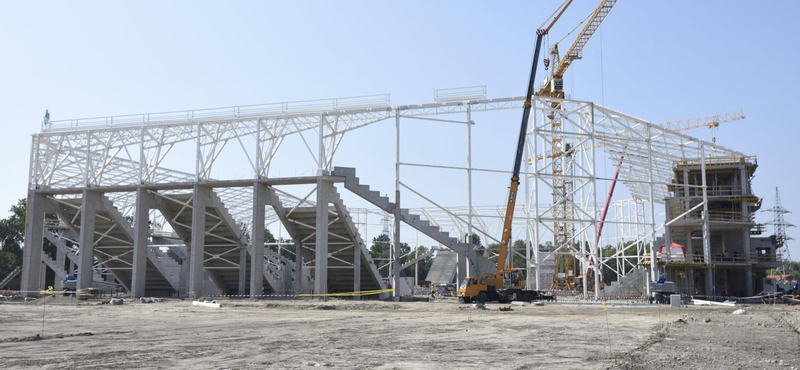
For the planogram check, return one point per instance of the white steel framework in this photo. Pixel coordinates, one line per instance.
(117, 154)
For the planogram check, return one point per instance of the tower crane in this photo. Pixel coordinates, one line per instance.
(712, 122)
(561, 154)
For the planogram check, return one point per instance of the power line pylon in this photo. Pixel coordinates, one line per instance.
(779, 225)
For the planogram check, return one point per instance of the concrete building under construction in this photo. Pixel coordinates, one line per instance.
(734, 259)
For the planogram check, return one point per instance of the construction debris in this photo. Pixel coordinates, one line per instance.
(211, 304)
(701, 302)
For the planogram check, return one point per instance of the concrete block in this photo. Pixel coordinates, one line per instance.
(675, 300)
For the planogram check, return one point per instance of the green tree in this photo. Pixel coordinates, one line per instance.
(12, 234)
(791, 267)
(423, 265)
(611, 264)
(519, 247)
(380, 251)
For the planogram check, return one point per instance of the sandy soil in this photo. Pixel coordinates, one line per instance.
(764, 338)
(368, 335)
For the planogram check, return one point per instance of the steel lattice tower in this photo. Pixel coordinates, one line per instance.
(779, 225)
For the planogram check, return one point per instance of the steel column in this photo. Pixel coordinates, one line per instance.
(395, 276)
(706, 232)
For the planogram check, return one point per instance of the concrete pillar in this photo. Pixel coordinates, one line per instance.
(91, 202)
(257, 238)
(668, 239)
(202, 195)
(43, 278)
(324, 188)
(183, 278)
(472, 268)
(242, 270)
(356, 270)
(298, 268)
(748, 276)
(709, 282)
(461, 270)
(60, 257)
(141, 225)
(32, 253)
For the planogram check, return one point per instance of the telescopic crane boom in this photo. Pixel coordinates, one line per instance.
(526, 113)
(512, 191)
(506, 284)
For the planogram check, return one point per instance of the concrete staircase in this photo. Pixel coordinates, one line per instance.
(344, 242)
(223, 238)
(113, 244)
(167, 265)
(279, 270)
(221, 233)
(11, 276)
(630, 285)
(53, 265)
(443, 268)
(481, 263)
(369, 270)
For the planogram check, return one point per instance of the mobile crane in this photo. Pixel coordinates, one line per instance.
(507, 284)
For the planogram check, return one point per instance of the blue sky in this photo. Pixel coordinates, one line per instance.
(660, 61)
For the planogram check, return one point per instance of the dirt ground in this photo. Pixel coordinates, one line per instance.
(764, 338)
(384, 335)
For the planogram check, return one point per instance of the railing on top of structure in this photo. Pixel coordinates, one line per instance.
(235, 112)
(719, 161)
(713, 215)
(460, 93)
(716, 258)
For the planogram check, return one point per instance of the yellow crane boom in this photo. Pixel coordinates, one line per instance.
(707, 121)
(576, 49)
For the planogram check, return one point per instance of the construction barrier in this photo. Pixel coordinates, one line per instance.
(251, 296)
(345, 294)
(348, 294)
(50, 291)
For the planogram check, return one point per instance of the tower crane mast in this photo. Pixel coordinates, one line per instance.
(561, 153)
